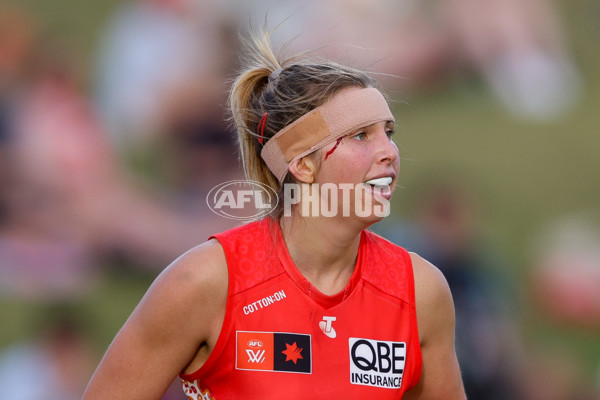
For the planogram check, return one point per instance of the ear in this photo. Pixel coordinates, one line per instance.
(303, 169)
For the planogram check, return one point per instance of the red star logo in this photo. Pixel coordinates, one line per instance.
(292, 352)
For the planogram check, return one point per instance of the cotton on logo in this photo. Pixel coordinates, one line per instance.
(242, 200)
(257, 356)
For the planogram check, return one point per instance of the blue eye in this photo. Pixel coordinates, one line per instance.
(360, 136)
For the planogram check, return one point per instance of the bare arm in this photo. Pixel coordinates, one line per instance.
(440, 375)
(179, 318)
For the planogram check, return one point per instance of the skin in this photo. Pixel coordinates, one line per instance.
(169, 332)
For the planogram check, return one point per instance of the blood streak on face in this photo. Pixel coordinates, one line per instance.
(334, 147)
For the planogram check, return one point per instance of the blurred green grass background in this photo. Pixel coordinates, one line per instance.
(531, 172)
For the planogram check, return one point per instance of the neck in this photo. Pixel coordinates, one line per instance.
(323, 249)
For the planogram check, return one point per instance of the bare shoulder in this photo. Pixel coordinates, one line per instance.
(199, 276)
(429, 280)
(199, 265)
(432, 296)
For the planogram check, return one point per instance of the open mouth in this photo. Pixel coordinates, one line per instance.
(380, 182)
(381, 186)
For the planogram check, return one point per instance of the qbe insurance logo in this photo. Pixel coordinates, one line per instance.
(242, 200)
(376, 362)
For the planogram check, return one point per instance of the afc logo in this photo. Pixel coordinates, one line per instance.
(255, 354)
(376, 362)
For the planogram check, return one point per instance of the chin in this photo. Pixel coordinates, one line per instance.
(375, 206)
(376, 214)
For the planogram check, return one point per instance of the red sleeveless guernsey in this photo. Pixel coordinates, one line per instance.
(283, 339)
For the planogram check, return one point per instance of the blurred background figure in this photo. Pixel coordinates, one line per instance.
(565, 276)
(564, 282)
(17, 30)
(143, 85)
(69, 202)
(446, 231)
(36, 258)
(163, 99)
(16, 34)
(55, 364)
(520, 50)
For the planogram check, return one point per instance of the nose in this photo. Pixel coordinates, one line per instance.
(387, 151)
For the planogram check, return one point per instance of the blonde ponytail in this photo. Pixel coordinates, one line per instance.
(261, 62)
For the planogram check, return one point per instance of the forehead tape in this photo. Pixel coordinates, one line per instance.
(348, 110)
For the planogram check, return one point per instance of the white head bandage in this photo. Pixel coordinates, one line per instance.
(347, 111)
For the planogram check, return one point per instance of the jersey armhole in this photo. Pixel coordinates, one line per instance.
(225, 328)
(415, 326)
